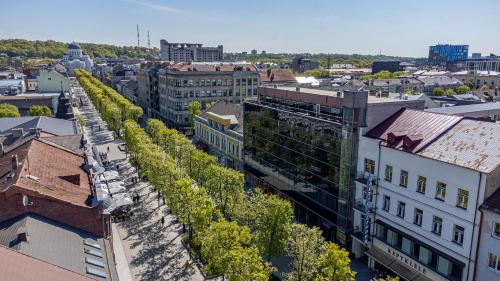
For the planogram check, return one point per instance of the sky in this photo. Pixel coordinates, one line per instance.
(390, 27)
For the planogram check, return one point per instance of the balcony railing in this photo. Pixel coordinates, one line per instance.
(366, 178)
(364, 205)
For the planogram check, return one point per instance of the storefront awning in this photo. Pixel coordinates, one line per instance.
(392, 264)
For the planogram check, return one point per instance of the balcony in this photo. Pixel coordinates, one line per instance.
(359, 235)
(366, 178)
(361, 204)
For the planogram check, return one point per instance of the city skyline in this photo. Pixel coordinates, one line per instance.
(297, 27)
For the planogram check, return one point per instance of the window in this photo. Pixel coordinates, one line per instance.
(388, 173)
(387, 203)
(437, 225)
(463, 198)
(418, 217)
(401, 210)
(369, 166)
(458, 234)
(440, 190)
(494, 262)
(403, 178)
(496, 229)
(421, 182)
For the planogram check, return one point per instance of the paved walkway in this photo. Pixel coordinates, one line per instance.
(152, 251)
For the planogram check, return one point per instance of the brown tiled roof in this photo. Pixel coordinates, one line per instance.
(212, 67)
(55, 172)
(17, 266)
(276, 75)
(412, 130)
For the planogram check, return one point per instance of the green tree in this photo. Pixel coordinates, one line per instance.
(248, 212)
(334, 264)
(245, 264)
(40, 110)
(449, 92)
(225, 186)
(306, 245)
(317, 73)
(194, 109)
(80, 120)
(273, 226)
(219, 240)
(463, 89)
(484, 88)
(438, 91)
(9, 110)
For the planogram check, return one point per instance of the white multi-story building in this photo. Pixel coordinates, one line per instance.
(488, 258)
(189, 52)
(422, 179)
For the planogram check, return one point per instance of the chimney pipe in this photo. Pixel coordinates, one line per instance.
(22, 235)
(14, 162)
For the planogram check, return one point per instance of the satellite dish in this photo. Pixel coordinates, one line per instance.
(25, 200)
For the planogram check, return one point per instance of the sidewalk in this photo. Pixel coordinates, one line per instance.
(149, 250)
(122, 268)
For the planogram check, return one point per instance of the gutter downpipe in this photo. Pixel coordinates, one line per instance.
(473, 232)
(376, 192)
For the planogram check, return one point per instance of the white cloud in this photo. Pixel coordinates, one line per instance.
(154, 6)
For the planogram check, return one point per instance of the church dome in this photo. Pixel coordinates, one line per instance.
(74, 46)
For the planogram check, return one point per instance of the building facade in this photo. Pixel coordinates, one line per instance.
(182, 83)
(301, 64)
(391, 66)
(300, 145)
(52, 81)
(488, 259)
(422, 177)
(189, 52)
(147, 88)
(490, 63)
(442, 54)
(220, 127)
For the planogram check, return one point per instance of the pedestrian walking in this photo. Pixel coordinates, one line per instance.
(162, 220)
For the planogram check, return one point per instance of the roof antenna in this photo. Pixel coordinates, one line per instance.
(138, 43)
(149, 41)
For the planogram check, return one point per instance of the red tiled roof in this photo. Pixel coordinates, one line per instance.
(18, 266)
(58, 172)
(276, 75)
(411, 130)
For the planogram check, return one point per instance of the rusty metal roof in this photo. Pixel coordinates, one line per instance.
(412, 130)
(471, 143)
(18, 266)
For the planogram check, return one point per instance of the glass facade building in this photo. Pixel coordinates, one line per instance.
(441, 54)
(303, 146)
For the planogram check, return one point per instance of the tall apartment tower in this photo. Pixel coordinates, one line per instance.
(189, 52)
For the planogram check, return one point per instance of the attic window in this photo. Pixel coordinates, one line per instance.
(394, 137)
(412, 140)
(74, 179)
